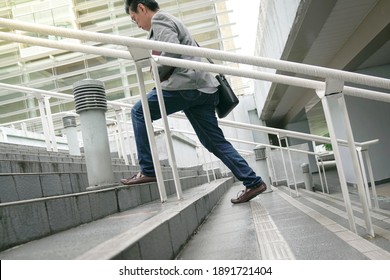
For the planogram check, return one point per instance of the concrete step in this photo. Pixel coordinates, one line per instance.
(22, 186)
(148, 231)
(55, 208)
(276, 226)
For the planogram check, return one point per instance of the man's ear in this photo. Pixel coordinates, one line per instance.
(141, 8)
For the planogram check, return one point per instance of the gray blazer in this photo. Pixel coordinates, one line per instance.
(167, 28)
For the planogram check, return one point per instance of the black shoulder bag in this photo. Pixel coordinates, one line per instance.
(227, 98)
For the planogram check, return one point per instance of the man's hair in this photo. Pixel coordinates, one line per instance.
(133, 5)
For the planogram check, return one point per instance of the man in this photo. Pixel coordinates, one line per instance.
(193, 91)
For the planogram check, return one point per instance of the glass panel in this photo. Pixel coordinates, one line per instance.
(43, 74)
(109, 71)
(118, 94)
(69, 81)
(69, 68)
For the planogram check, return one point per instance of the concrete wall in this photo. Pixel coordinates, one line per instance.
(277, 171)
(276, 18)
(370, 120)
(28, 138)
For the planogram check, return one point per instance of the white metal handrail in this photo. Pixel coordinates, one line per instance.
(276, 78)
(292, 67)
(223, 122)
(333, 84)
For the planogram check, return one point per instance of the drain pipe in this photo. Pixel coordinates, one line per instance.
(71, 135)
(91, 105)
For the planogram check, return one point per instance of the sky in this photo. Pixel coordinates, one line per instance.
(245, 17)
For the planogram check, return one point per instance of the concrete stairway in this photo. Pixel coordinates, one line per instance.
(148, 231)
(130, 222)
(43, 194)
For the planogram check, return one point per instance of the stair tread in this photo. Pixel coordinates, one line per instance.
(88, 240)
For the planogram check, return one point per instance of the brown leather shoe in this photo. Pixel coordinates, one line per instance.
(249, 193)
(139, 178)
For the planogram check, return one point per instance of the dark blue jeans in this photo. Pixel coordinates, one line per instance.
(200, 110)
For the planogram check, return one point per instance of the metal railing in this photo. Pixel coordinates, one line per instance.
(330, 91)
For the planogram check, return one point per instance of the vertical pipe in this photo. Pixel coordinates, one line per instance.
(69, 123)
(91, 105)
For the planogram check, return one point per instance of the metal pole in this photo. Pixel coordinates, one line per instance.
(168, 136)
(205, 163)
(291, 166)
(325, 179)
(272, 165)
(150, 131)
(318, 167)
(330, 88)
(71, 135)
(364, 174)
(355, 162)
(212, 165)
(50, 125)
(284, 163)
(121, 136)
(128, 136)
(370, 173)
(45, 127)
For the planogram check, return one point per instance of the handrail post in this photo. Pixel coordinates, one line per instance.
(358, 173)
(121, 136)
(271, 163)
(45, 125)
(364, 174)
(128, 136)
(333, 95)
(50, 124)
(205, 164)
(284, 163)
(141, 59)
(371, 174)
(168, 136)
(291, 165)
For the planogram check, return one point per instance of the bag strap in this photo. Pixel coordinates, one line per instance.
(209, 59)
